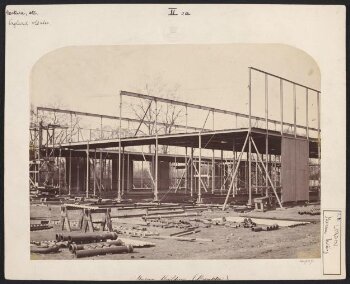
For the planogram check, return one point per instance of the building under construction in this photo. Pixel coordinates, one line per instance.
(148, 157)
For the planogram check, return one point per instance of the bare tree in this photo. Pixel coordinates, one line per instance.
(167, 114)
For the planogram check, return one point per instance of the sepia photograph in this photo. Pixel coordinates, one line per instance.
(175, 142)
(175, 152)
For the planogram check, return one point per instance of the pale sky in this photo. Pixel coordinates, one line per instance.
(89, 78)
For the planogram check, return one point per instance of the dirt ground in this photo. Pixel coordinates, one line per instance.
(228, 243)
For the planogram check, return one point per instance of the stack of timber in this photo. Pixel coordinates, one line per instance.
(313, 211)
(48, 191)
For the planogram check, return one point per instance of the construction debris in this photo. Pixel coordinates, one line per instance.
(44, 249)
(181, 238)
(137, 243)
(86, 237)
(265, 228)
(103, 251)
(265, 221)
(248, 223)
(135, 233)
(186, 232)
(151, 223)
(73, 247)
(171, 216)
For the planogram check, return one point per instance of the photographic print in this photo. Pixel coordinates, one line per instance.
(186, 149)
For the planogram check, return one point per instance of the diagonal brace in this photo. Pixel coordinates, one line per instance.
(267, 174)
(236, 171)
(143, 118)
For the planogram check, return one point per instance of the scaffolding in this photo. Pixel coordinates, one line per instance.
(253, 166)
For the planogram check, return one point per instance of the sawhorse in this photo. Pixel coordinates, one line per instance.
(86, 222)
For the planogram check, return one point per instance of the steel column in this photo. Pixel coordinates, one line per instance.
(249, 133)
(213, 162)
(307, 114)
(87, 169)
(70, 172)
(141, 174)
(250, 171)
(120, 149)
(123, 171)
(267, 129)
(191, 172)
(250, 99)
(186, 117)
(78, 175)
(199, 168)
(234, 166)
(128, 174)
(319, 140)
(101, 173)
(256, 175)
(111, 172)
(295, 110)
(71, 128)
(59, 172)
(101, 129)
(186, 170)
(95, 174)
(281, 105)
(221, 169)
(156, 155)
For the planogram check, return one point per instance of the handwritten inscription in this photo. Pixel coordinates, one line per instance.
(22, 18)
(331, 241)
(307, 261)
(331, 232)
(177, 12)
(178, 278)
